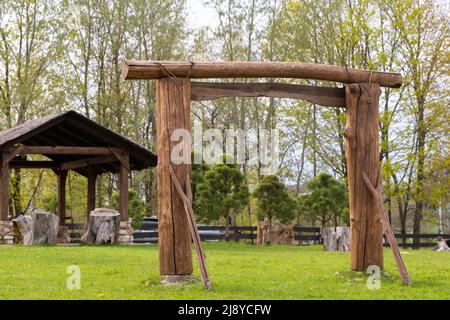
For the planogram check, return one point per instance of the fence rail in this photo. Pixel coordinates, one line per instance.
(402, 239)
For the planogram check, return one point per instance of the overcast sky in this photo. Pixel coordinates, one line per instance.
(200, 15)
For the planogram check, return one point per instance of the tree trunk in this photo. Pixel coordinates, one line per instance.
(227, 228)
(420, 175)
(269, 238)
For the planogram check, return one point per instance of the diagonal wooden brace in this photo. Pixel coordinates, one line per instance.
(376, 194)
(201, 258)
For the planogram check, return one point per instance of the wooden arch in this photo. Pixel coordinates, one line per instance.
(359, 97)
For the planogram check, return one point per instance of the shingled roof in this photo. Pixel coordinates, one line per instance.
(73, 129)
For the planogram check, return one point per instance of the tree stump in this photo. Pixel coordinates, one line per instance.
(103, 227)
(39, 228)
(46, 226)
(281, 233)
(25, 226)
(336, 239)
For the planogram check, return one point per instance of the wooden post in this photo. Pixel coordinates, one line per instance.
(173, 110)
(62, 178)
(362, 153)
(92, 177)
(4, 189)
(123, 187)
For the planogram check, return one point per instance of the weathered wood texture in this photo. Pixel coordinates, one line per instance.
(362, 153)
(141, 70)
(86, 162)
(4, 187)
(103, 227)
(325, 96)
(46, 226)
(376, 194)
(27, 164)
(195, 236)
(91, 184)
(74, 150)
(24, 225)
(67, 137)
(336, 239)
(173, 110)
(39, 228)
(278, 233)
(123, 187)
(62, 178)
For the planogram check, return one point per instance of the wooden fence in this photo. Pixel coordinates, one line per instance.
(426, 240)
(148, 233)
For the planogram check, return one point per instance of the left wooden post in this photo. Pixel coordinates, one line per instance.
(62, 178)
(4, 187)
(92, 177)
(173, 112)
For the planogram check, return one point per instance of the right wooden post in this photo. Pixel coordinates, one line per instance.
(362, 153)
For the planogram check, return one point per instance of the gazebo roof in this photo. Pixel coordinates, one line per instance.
(72, 129)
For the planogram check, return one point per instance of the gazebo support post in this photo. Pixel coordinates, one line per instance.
(362, 153)
(92, 177)
(4, 187)
(62, 178)
(173, 109)
(123, 187)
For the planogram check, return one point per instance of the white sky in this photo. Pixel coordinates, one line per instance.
(199, 15)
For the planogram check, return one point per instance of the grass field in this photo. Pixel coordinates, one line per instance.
(238, 271)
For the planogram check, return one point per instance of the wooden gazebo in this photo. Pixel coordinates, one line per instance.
(70, 141)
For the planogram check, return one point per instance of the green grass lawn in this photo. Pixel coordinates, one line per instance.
(238, 271)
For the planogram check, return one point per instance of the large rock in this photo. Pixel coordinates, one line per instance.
(126, 232)
(103, 227)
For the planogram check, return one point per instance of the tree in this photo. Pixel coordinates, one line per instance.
(222, 194)
(423, 32)
(274, 201)
(326, 201)
(136, 207)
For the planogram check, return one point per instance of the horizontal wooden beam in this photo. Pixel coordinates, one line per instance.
(326, 96)
(84, 163)
(144, 70)
(24, 164)
(62, 150)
